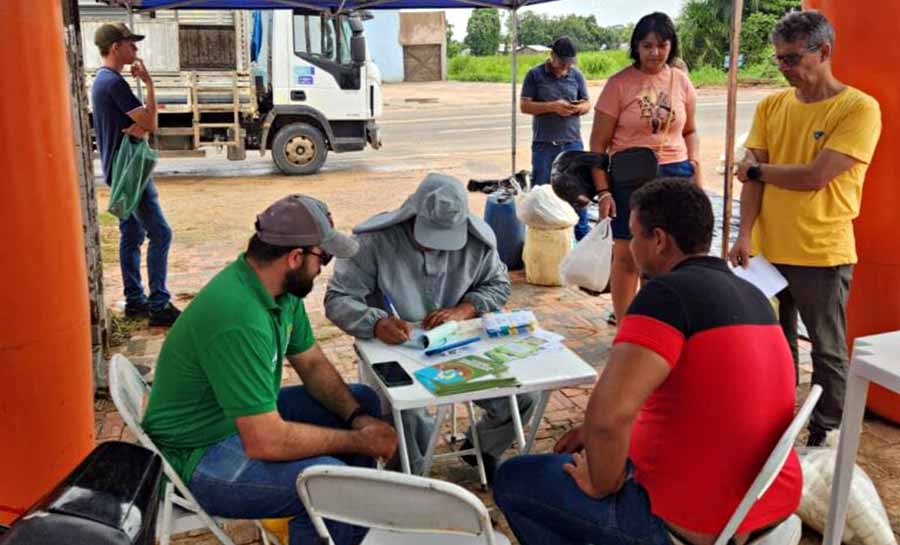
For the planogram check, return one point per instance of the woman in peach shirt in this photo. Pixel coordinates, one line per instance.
(648, 104)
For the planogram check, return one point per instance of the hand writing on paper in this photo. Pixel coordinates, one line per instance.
(392, 330)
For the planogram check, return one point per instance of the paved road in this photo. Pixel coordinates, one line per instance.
(416, 136)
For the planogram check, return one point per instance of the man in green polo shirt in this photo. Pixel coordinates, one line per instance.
(217, 410)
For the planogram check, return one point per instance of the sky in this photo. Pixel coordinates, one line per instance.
(607, 12)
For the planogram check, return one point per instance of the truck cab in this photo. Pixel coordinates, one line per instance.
(325, 90)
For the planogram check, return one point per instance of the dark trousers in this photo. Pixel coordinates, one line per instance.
(819, 294)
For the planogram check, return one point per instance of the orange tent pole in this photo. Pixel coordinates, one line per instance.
(860, 58)
(46, 405)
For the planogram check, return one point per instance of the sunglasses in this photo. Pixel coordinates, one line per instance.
(792, 59)
(323, 256)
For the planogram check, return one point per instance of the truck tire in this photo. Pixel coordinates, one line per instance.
(299, 148)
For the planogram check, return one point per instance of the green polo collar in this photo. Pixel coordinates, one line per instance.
(251, 279)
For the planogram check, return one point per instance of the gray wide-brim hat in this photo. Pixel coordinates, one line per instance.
(440, 207)
(300, 220)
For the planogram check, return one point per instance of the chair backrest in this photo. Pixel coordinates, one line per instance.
(128, 389)
(390, 501)
(773, 465)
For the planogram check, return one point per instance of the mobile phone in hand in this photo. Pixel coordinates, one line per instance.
(392, 374)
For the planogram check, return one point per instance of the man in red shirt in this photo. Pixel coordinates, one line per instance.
(698, 389)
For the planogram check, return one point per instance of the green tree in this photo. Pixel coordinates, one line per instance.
(704, 29)
(454, 48)
(483, 32)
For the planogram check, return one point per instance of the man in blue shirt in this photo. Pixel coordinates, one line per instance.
(555, 93)
(117, 113)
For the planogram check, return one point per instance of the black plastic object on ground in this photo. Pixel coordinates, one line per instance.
(571, 177)
(111, 498)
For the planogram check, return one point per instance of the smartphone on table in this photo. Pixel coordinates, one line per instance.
(392, 374)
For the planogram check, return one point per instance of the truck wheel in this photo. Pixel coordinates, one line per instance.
(299, 148)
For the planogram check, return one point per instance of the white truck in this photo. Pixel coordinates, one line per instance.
(311, 88)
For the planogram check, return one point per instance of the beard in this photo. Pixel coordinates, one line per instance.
(297, 284)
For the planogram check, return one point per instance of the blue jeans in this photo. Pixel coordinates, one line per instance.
(148, 221)
(229, 484)
(542, 156)
(543, 505)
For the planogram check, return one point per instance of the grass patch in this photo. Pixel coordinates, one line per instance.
(497, 68)
(109, 238)
(764, 73)
(121, 328)
(599, 65)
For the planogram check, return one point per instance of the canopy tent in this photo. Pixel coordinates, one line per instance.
(513, 6)
(345, 5)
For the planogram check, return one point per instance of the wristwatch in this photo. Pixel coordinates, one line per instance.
(357, 412)
(754, 173)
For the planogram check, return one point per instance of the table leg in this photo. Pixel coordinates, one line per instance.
(851, 426)
(536, 418)
(401, 441)
(432, 441)
(476, 442)
(517, 423)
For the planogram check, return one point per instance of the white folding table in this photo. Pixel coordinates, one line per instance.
(543, 372)
(876, 358)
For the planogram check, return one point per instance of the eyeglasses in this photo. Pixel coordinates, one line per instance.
(792, 59)
(324, 256)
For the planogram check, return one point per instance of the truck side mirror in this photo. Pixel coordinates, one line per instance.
(358, 48)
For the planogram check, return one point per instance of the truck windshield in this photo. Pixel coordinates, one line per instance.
(323, 37)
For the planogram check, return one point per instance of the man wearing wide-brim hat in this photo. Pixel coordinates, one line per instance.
(435, 262)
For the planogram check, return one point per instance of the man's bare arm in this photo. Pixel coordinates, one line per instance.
(632, 374)
(751, 204)
(533, 107)
(269, 437)
(827, 166)
(146, 116)
(323, 382)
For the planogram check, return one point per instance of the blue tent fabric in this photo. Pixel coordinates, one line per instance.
(346, 5)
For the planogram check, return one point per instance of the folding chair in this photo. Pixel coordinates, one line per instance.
(180, 511)
(400, 509)
(789, 531)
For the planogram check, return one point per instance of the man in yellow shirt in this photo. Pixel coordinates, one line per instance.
(807, 156)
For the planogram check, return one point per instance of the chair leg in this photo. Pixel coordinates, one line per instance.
(263, 534)
(214, 528)
(167, 515)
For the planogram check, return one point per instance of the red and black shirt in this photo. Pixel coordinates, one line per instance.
(704, 434)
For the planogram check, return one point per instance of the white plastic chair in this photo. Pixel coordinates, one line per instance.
(788, 532)
(180, 512)
(400, 509)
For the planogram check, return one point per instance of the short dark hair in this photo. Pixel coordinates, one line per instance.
(265, 252)
(104, 49)
(659, 23)
(679, 208)
(809, 26)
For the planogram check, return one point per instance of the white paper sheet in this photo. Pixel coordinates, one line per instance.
(763, 275)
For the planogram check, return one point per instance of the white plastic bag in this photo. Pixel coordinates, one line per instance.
(542, 209)
(867, 521)
(588, 265)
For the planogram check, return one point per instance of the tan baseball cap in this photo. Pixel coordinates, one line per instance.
(110, 33)
(300, 220)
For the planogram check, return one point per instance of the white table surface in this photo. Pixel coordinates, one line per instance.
(549, 370)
